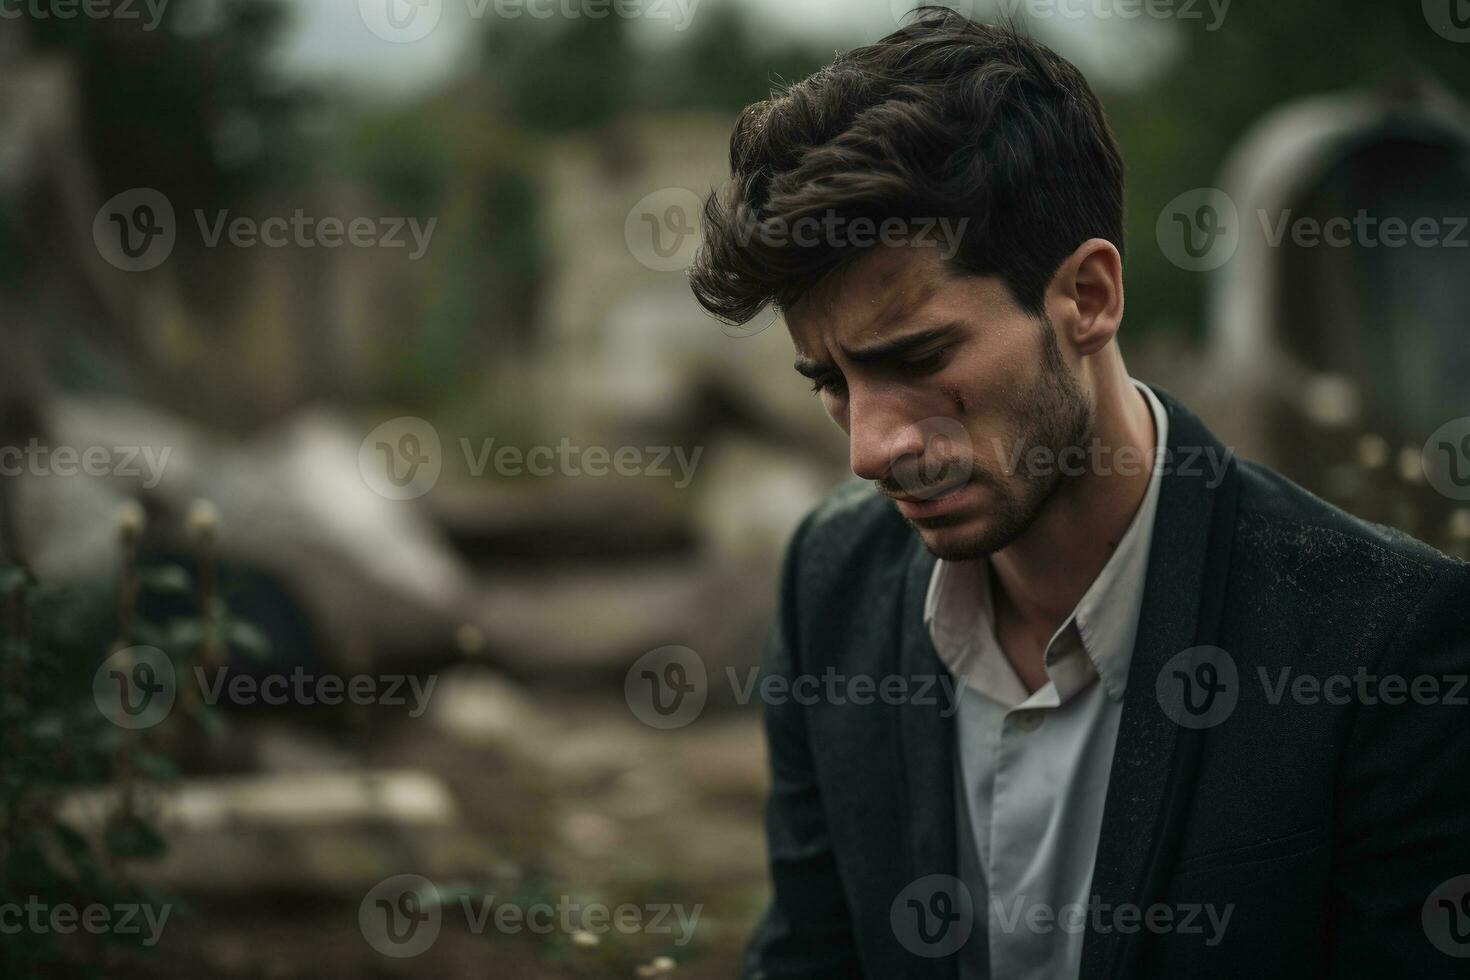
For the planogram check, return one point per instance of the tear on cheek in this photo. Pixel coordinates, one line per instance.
(953, 394)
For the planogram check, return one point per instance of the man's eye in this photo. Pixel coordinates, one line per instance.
(928, 363)
(829, 383)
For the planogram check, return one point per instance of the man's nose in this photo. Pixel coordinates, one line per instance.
(880, 433)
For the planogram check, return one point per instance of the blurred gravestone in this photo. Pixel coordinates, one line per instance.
(1340, 320)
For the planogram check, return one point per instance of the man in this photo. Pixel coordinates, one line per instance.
(1181, 742)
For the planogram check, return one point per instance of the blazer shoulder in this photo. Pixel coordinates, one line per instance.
(1278, 515)
(853, 522)
(854, 528)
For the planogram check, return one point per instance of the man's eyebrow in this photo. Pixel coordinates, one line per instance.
(884, 350)
(898, 346)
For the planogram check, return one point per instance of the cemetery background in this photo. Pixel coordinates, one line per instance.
(558, 159)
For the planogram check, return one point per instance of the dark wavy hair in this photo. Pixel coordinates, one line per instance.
(944, 119)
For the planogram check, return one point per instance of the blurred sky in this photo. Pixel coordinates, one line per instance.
(330, 41)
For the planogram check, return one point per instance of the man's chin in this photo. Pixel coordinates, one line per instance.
(963, 537)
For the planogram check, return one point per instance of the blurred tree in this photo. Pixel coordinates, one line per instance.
(559, 75)
(724, 63)
(188, 106)
(191, 108)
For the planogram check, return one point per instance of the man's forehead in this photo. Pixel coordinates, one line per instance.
(867, 298)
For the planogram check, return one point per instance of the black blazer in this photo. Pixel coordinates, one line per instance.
(1326, 826)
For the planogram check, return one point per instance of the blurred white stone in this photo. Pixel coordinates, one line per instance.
(477, 705)
(291, 502)
(299, 831)
(281, 800)
(752, 497)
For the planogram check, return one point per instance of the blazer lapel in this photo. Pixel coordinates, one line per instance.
(1154, 761)
(927, 738)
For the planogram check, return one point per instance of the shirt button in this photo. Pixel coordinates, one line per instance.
(1026, 721)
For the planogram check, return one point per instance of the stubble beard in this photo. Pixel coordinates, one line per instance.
(1057, 415)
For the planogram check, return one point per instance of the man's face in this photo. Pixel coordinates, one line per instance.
(942, 384)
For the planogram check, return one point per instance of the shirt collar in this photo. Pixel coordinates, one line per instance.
(1096, 639)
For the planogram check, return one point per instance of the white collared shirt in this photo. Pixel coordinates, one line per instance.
(1032, 771)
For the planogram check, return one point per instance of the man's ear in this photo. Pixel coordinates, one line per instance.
(1085, 297)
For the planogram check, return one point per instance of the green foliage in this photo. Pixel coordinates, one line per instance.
(55, 741)
(216, 120)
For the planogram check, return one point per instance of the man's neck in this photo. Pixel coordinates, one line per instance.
(1039, 578)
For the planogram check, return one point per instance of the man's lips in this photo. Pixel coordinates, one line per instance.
(933, 503)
